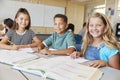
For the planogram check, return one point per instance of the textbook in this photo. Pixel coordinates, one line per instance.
(60, 68)
(13, 57)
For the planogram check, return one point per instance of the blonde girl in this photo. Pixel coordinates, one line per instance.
(100, 44)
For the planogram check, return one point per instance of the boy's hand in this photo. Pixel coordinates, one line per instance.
(45, 51)
(98, 63)
(37, 49)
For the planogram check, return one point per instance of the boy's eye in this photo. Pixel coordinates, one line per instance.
(58, 23)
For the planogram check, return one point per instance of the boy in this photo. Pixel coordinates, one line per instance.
(62, 41)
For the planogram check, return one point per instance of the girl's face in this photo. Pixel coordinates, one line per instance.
(59, 25)
(22, 20)
(96, 27)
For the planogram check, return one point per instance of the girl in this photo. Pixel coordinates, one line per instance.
(21, 36)
(99, 43)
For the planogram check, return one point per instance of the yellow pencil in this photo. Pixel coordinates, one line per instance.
(11, 42)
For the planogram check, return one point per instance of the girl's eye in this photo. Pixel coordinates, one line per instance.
(99, 25)
(90, 25)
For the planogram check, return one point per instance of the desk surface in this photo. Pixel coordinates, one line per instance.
(110, 74)
(6, 73)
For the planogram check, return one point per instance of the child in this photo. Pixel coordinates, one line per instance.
(62, 40)
(7, 24)
(71, 27)
(82, 31)
(20, 36)
(99, 43)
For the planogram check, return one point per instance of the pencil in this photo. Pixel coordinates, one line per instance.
(11, 42)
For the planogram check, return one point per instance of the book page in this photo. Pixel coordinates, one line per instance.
(29, 50)
(60, 68)
(13, 57)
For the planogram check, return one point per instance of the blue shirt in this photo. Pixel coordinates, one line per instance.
(100, 53)
(60, 42)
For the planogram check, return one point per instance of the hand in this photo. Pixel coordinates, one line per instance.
(98, 63)
(37, 49)
(75, 54)
(14, 47)
(45, 51)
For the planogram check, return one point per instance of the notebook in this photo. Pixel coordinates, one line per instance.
(13, 57)
(60, 68)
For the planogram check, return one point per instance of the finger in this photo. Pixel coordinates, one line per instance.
(73, 55)
(93, 64)
(98, 66)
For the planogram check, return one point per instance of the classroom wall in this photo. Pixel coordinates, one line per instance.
(90, 6)
(74, 11)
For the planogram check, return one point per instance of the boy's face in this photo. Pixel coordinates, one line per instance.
(60, 25)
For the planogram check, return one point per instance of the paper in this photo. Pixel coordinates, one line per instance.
(60, 68)
(13, 57)
(29, 50)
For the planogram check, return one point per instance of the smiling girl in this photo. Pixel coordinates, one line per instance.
(99, 43)
(21, 36)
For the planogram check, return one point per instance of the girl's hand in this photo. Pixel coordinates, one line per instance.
(98, 63)
(75, 54)
(45, 51)
(14, 47)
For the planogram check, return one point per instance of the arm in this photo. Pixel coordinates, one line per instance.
(62, 52)
(1, 33)
(114, 62)
(3, 44)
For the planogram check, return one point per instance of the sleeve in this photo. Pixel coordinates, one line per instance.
(106, 53)
(32, 34)
(71, 40)
(112, 53)
(9, 34)
(48, 42)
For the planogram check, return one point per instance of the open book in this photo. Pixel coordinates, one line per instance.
(60, 68)
(12, 57)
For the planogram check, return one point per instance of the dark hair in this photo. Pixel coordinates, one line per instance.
(84, 24)
(61, 16)
(8, 22)
(71, 26)
(24, 11)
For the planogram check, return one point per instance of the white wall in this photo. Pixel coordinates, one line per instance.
(41, 15)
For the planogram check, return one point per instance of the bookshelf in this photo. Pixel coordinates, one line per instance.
(118, 31)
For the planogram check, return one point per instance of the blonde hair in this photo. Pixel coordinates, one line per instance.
(108, 35)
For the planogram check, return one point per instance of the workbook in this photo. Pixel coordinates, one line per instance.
(13, 57)
(60, 68)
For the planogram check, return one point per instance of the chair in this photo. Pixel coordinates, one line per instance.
(43, 36)
(78, 39)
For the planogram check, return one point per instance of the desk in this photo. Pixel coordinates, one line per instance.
(6, 73)
(110, 74)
